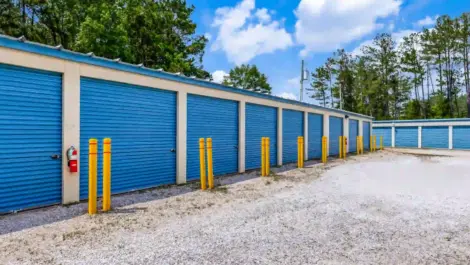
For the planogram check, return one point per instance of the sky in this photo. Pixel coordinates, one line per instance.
(276, 35)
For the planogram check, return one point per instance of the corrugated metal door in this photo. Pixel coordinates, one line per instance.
(315, 134)
(406, 136)
(261, 121)
(336, 130)
(292, 127)
(141, 122)
(461, 137)
(386, 133)
(435, 137)
(366, 135)
(353, 133)
(216, 118)
(31, 132)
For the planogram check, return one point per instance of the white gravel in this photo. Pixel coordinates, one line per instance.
(382, 208)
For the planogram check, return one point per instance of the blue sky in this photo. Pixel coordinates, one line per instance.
(277, 35)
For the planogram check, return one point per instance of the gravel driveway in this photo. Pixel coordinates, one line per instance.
(382, 208)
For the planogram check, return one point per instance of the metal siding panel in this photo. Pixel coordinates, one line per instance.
(435, 137)
(353, 133)
(141, 123)
(292, 127)
(261, 121)
(386, 132)
(461, 137)
(366, 135)
(31, 122)
(315, 134)
(336, 130)
(406, 137)
(216, 118)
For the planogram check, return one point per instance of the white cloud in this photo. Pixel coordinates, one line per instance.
(324, 25)
(294, 81)
(243, 32)
(219, 75)
(287, 95)
(427, 21)
(208, 36)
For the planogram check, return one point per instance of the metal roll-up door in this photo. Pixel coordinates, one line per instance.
(261, 121)
(435, 137)
(218, 119)
(315, 134)
(30, 138)
(386, 133)
(292, 127)
(406, 137)
(336, 130)
(353, 133)
(366, 135)
(461, 137)
(141, 123)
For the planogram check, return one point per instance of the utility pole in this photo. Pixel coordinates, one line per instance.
(303, 77)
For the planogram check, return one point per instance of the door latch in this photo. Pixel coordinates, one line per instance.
(55, 157)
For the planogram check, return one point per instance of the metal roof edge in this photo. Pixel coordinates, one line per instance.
(422, 120)
(58, 52)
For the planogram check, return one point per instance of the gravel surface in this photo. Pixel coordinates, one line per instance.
(382, 208)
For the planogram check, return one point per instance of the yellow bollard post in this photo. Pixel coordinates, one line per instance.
(345, 146)
(210, 166)
(324, 149)
(302, 151)
(106, 174)
(92, 175)
(202, 164)
(375, 143)
(298, 152)
(357, 144)
(381, 143)
(263, 156)
(267, 164)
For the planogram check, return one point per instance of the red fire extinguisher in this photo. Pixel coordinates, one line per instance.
(72, 158)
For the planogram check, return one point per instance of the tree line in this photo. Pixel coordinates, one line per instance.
(425, 75)
(158, 34)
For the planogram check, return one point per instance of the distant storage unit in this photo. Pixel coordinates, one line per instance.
(336, 130)
(385, 133)
(435, 134)
(353, 133)
(315, 134)
(261, 121)
(52, 99)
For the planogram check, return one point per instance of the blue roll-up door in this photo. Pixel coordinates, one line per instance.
(315, 134)
(141, 123)
(366, 135)
(461, 137)
(292, 127)
(218, 119)
(336, 130)
(386, 133)
(31, 132)
(353, 133)
(261, 121)
(435, 137)
(406, 137)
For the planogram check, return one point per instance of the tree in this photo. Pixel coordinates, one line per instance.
(248, 77)
(319, 85)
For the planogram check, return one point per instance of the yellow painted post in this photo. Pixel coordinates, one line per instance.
(358, 140)
(263, 156)
(362, 145)
(345, 146)
(381, 143)
(202, 164)
(210, 166)
(324, 149)
(92, 175)
(298, 151)
(302, 151)
(106, 174)
(375, 143)
(267, 164)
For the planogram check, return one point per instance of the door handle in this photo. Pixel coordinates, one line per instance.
(173, 150)
(55, 157)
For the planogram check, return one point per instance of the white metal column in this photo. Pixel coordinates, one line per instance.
(451, 131)
(420, 129)
(241, 136)
(279, 136)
